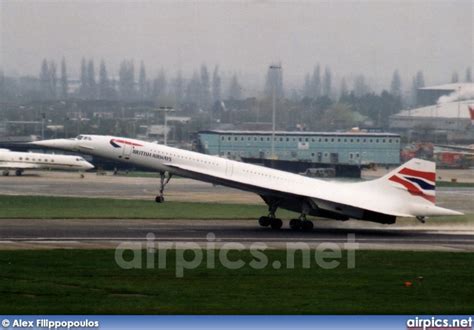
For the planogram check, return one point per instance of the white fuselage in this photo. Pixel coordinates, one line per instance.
(31, 160)
(353, 200)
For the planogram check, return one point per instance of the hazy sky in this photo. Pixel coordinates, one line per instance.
(370, 37)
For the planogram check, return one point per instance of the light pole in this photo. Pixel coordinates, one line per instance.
(274, 67)
(166, 110)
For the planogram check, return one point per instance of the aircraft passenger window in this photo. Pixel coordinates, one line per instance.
(338, 140)
(21, 158)
(27, 158)
(352, 140)
(357, 140)
(383, 141)
(389, 140)
(332, 140)
(376, 140)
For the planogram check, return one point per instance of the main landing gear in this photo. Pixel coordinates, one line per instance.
(271, 220)
(296, 224)
(165, 177)
(302, 223)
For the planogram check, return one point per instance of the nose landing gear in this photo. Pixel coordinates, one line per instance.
(165, 177)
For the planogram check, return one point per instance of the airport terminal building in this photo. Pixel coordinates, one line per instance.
(297, 151)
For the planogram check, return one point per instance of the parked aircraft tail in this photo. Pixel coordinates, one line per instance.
(471, 113)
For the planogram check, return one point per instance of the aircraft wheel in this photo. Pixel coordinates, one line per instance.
(276, 223)
(159, 199)
(18, 172)
(307, 225)
(5, 173)
(295, 224)
(264, 221)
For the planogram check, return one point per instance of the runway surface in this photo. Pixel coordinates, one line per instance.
(100, 233)
(179, 189)
(39, 234)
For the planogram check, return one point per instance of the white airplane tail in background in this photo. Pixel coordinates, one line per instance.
(417, 177)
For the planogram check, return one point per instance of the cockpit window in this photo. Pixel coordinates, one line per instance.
(79, 137)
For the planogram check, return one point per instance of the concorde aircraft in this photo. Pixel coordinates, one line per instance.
(21, 161)
(408, 191)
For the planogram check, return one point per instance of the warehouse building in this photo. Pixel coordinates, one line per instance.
(431, 94)
(446, 122)
(298, 151)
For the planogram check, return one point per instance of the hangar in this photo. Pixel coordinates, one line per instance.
(297, 151)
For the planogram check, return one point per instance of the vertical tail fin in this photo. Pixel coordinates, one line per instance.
(417, 177)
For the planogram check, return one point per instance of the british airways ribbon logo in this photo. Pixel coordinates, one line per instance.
(115, 143)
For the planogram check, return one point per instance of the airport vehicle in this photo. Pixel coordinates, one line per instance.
(408, 191)
(21, 161)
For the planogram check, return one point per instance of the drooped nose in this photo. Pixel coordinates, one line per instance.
(64, 144)
(89, 165)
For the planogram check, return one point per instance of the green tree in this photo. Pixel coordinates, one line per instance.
(396, 84)
(45, 79)
(360, 86)
(344, 90)
(468, 75)
(91, 84)
(142, 82)
(216, 85)
(178, 86)
(84, 87)
(455, 77)
(327, 82)
(127, 80)
(316, 82)
(64, 80)
(159, 85)
(205, 86)
(235, 90)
